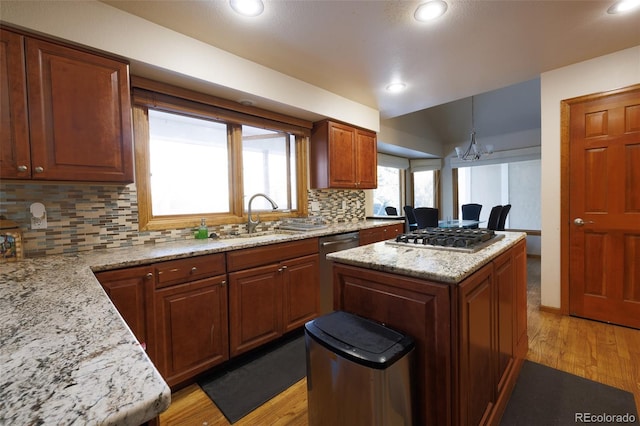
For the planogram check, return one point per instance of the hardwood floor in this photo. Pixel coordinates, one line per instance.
(601, 352)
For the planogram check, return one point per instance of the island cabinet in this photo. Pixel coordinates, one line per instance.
(66, 113)
(470, 336)
(380, 233)
(342, 156)
(272, 290)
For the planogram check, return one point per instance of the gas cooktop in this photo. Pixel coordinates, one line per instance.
(453, 239)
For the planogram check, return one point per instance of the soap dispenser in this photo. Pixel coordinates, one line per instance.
(203, 231)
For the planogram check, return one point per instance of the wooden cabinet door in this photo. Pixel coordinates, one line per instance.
(15, 157)
(505, 289)
(255, 307)
(79, 114)
(367, 160)
(342, 156)
(129, 290)
(476, 370)
(191, 328)
(417, 308)
(301, 291)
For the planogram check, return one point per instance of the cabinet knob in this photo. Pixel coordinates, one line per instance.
(223, 283)
(282, 268)
(149, 275)
(22, 168)
(193, 270)
(39, 169)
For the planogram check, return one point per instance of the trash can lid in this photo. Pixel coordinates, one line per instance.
(359, 339)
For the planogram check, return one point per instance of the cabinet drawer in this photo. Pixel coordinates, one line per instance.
(274, 253)
(194, 268)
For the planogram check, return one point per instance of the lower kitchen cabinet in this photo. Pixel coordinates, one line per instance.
(272, 290)
(191, 328)
(130, 290)
(380, 233)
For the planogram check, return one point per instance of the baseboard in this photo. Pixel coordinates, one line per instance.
(550, 310)
(535, 256)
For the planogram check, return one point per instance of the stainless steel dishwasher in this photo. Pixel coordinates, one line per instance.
(331, 244)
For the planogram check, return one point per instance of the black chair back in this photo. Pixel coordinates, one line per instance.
(471, 211)
(410, 218)
(391, 211)
(503, 217)
(494, 217)
(426, 217)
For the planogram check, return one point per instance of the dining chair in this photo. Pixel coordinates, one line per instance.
(503, 217)
(471, 211)
(391, 211)
(426, 217)
(410, 218)
(494, 217)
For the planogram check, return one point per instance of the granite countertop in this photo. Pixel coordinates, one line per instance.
(66, 354)
(435, 265)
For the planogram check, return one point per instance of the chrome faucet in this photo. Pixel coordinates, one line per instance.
(251, 225)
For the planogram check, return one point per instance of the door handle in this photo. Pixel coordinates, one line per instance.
(578, 221)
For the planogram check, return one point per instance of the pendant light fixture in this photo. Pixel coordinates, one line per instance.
(474, 151)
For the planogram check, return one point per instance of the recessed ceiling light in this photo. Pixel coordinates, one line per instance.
(396, 87)
(622, 6)
(247, 7)
(430, 10)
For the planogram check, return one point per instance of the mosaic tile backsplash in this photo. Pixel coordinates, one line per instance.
(90, 217)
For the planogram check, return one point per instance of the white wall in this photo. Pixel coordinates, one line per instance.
(177, 58)
(604, 73)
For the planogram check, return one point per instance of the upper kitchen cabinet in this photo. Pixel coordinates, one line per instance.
(66, 113)
(342, 156)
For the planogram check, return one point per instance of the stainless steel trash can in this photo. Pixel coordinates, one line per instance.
(359, 372)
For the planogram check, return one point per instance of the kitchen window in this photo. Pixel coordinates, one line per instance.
(196, 160)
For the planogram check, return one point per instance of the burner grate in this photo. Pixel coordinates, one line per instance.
(459, 239)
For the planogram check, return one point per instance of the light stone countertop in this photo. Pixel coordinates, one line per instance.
(448, 267)
(66, 355)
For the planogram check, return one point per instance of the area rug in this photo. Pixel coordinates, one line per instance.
(550, 397)
(249, 382)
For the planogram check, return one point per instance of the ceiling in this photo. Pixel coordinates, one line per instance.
(356, 48)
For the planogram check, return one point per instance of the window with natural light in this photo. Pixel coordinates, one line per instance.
(424, 189)
(389, 190)
(516, 183)
(189, 165)
(268, 159)
(196, 159)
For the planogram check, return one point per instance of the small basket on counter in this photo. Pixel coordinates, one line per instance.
(11, 248)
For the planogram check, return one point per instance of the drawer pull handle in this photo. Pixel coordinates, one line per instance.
(193, 270)
(39, 169)
(22, 168)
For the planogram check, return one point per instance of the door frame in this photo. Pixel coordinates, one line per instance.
(565, 164)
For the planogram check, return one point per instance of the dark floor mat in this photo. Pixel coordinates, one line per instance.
(257, 378)
(546, 396)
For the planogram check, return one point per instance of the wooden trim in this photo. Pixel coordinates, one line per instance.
(158, 87)
(454, 184)
(142, 167)
(556, 311)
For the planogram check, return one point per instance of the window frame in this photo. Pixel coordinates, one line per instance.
(148, 94)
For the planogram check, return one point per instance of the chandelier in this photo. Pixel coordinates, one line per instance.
(474, 151)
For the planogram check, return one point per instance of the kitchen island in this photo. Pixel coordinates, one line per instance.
(466, 311)
(66, 354)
